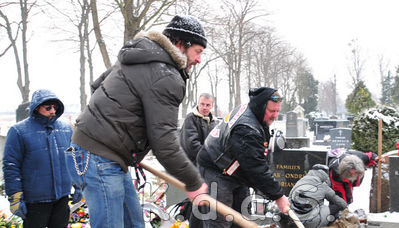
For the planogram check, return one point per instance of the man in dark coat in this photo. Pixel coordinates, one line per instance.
(193, 133)
(35, 174)
(197, 126)
(133, 109)
(308, 194)
(233, 155)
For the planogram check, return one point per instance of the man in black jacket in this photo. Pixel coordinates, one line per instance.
(197, 126)
(193, 133)
(233, 156)
(134, 109)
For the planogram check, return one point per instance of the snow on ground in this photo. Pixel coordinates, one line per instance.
(361, 193)
(360, 196)
(361, 201)
(4, 206)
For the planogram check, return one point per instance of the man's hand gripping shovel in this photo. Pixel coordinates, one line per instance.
(220, 208)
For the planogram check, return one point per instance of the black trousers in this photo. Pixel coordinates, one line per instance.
(52, 215)
(229, 191)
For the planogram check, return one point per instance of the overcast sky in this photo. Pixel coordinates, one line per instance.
(322, 29)
(319, 29)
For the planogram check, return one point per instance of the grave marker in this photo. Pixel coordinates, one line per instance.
(394, 183)
(290, 165)
(341, 138)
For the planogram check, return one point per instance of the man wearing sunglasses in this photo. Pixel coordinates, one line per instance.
(234, 157)
(35, 175)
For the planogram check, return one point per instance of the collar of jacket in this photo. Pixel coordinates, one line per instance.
(43, 120)
(178, 57)
(207, 118)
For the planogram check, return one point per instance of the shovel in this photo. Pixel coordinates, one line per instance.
(220, 208)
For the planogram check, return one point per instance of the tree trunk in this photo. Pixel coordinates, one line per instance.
(128, 19)
(82, 27)
(87, 39)
(16, 55)
(24, 16)
(99, 37)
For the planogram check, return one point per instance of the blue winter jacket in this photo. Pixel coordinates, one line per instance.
(34, 160)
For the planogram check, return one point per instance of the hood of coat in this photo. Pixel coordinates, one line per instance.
(142, 50)
(258, 98)
(41, 96)
(322, 175)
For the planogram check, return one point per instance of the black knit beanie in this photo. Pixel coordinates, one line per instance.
(187, 28)
(258, 98)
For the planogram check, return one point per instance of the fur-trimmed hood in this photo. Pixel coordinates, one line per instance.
(142, 51)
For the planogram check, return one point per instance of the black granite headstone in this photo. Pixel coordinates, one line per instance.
(341, 138)
(394, 183)
(322, 128)
(290, 165)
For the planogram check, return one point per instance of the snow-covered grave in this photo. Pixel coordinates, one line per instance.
(361, 196)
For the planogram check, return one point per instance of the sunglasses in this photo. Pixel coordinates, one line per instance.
(49, 107)
(276, 99)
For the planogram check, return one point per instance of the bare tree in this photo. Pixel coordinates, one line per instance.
(205, 14)
(77, 14)
(140, 15)
(84, 47)
(291, 66)
(237, 26)
(334, 95)
(192, 88)
(99, 37)
(214, 79)
(25, 7)
(356, 65)
(326, 92)
(273, 58)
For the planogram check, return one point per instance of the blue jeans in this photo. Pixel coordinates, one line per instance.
(108, 191)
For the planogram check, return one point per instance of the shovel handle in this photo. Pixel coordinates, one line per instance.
(213, 204)
(295, 218)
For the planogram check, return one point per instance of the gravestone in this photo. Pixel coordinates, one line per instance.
(297, 142)
(290, 165)
(341, 138)
(394, 183)
(295, 126)
(291, 125)
(301, 111)
(323, 127)
(342, 123)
